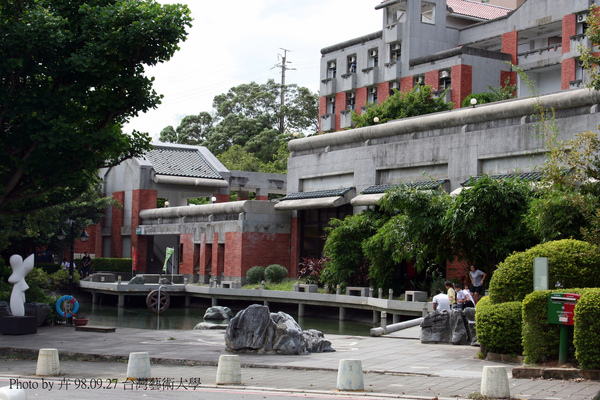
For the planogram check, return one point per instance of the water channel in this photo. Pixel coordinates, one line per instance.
(187, 317)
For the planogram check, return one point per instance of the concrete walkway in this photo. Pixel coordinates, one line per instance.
(392, 365)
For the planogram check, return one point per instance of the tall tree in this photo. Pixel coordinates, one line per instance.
(193, 129)
(71, 74)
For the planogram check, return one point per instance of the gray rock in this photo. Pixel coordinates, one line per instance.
(5, 309)
(255, 329)
(219, 313)
(209, 325)
(137, 280)
(435, 327)
(460, 334)
(39, 310)
(164, 281)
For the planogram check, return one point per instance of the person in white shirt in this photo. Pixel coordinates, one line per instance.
(463, 298)
(441, 301)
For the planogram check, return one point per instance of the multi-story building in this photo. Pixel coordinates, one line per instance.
(461, 45)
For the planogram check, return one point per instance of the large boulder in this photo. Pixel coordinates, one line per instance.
(219, 313)
(39, 310)
(449, 326)
(255, 329)
(137, 280)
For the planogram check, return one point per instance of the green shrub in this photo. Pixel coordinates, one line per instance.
(275, 273)
(573, 263)
(60, 279)
(110, 264)
(587, 326)
(255, 275)
(499, 327)
(48, 267)
(540, 339)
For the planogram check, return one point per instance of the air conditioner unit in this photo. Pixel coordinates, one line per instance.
(394, 85)
(373, 53)
(332, 99)
(332, 65)
(396, 47)
(352, 59)
(581, 18)
(351, 95)
(373, 90)
(444, 74)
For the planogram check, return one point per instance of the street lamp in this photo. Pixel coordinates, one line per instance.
(62, 236)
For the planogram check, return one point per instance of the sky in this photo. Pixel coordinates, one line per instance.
(240, 41)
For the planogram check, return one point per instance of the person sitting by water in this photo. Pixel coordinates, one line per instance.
(440, 301)
(463, 298)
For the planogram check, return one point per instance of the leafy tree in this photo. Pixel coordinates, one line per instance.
(193, 130)
(418, 101)
(414, 233)
(238, 159)
(485, 222)
(71, 74)
(589, 59)
(504, 92)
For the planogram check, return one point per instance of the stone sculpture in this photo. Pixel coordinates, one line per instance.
(20, 269)
(449, 326)
(256, 329)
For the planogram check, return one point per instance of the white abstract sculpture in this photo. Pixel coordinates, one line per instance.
(20, 269)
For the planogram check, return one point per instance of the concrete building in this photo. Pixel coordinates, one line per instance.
(221, 240)
(461, 45)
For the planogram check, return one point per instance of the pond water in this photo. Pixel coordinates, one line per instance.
(187, 318)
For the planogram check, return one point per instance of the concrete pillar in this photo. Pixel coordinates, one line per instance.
(121, 301)
(187, 301)
(391, 292)
(350, 375)
(300, 310)
(95, 298)
(371, 292)
(395, 318)
(138, 366)
(213, 302)
(229, 371)
(266, 303)
(425, 310)
(383, 319)
(380, 293)
(342, 314)
(494, 382)
(375, 317)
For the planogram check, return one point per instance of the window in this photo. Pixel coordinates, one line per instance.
(419, 80)
(372, 95)
(331, 69)
(395, 50)
(351, 101)
(351, 64)
(396, 13)
(312, 232)
(444, 79)
(581, 24)
(394, 86)
(427, 12)
(373, 59)
(331, 105)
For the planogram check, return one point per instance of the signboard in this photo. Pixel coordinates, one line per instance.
(561, 308)
(540, 273)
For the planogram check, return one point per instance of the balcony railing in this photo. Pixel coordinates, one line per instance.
(328, 87)
(327, 122)
(346, 119)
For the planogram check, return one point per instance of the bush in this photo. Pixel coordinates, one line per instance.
(110, 264)
(60, 279)
(587, 326)
(540, 339)
(48, 267)
(499, 327)
(311, 268)
(255, 275)
(573, 263)
(275, 273)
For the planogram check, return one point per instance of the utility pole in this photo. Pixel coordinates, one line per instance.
(283, 67)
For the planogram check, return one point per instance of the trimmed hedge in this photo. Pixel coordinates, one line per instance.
(110, 264)
(255, 275)
(573, 263)
(587, 326)
(498, 326)
(275, 273)
(540, 339)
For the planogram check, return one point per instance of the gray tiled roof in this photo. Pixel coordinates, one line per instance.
(315, 194)
(526, 176)
(424, 185)
(181, 162)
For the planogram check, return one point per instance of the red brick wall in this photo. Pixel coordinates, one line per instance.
(462, 83)
(116, 241)
(222, 198)
(217, 257)
(141, 200)
(361, 99)
(90, 244)
(186, 257)
(508, 74)
(340, 104)
(383, 92)
(246, 250)
(457, 270)
(295, 245)
(322, 109)
(407, 83)
(569, 28)
(510, 45)
(568, 74)
(432, 79)
(262, 198)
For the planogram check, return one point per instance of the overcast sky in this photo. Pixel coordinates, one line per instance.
(238, 41)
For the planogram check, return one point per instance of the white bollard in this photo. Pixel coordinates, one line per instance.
(229, 371)
(494, 383)
(6, 393)
(138, 366)
(350, 375)
(48, 363)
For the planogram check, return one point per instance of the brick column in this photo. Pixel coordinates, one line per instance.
(141, 199)
(361, 99)
(222, 198)
(340, 104)
(569, 28)
(186, 258)
(407, 84)
(383, 92)
(116, 241)
(462, 83)
(568, 72)
(432, 78)
(510, 45)
(234, 254)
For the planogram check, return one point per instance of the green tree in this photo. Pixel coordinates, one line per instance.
(238, 159)
(193, 130)
(485, 222)
(589, 58)
(418, 101)
(71, 74)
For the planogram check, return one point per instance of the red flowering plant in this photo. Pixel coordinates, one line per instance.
(311, 268)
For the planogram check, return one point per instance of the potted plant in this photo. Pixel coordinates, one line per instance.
(80, 320)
